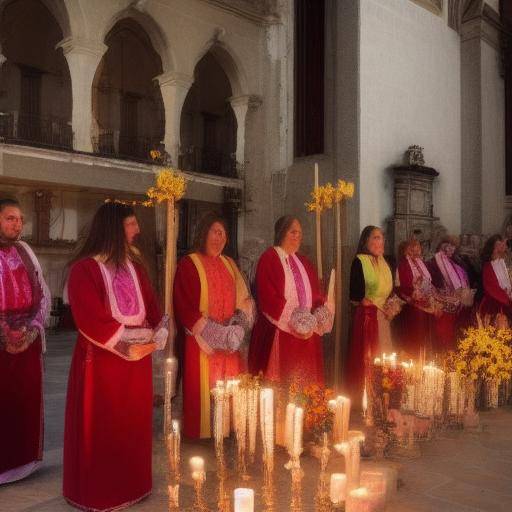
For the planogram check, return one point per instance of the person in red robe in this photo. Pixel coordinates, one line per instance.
(214, 312)
(108, 423)
(24, 309)
(414, 285)
(286, 343)
(452, 284)
(496, 305)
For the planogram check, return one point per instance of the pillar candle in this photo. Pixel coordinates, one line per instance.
(338, 488)
(298, 423)
(360, 500)
(196, 463)
(288, 428)
(267, 420)
(244, 500)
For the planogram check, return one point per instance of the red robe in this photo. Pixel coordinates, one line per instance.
(201, 370)
(413, 322)
(298, 358)
(495, 299)
(21, 395)
(108, 430)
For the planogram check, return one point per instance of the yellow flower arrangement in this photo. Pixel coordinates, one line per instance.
(484, 353)
(170, 185)
(325, 197)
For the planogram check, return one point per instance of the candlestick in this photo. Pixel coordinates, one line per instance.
(174, 497)
(338, 488)
(318, 229)
(199, 477)
(244, 500)
(173, 447)
(267, 425)
(288, 429)
(298, 423)
(252, 418)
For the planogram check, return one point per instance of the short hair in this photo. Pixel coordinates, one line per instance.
(362, 246)
(8, 201)
(282, 226)
(203, 227)
(448, 239)
(405, 245)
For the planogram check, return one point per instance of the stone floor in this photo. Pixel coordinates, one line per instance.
(459, 471)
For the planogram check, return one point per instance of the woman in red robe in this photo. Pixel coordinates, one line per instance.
(414, 285)
(108, 430)
(286, 343)
(496, 305)
(24, 307)
(452, 284)
(214, 311)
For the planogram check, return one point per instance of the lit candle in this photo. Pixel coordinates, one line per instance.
(338, 488)
(267, 422)
(365, 402)
(359, 500)
(244, 500)
(197, 467)
(344, 449)
(288, 427)
(377, 361)
(298, 422)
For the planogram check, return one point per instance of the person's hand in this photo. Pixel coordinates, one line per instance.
(139, 351)
(304, 336)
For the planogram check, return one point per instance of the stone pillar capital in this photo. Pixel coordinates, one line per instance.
(175, 79)
(3, 59)
(76, 45)
(250, 101)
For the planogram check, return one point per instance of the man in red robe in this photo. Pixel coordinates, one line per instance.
(108, 431)
(24, 306)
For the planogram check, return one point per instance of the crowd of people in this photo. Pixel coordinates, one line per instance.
(108, 420)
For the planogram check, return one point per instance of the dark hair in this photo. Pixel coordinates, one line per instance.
(448, 239)
(488, 248)
(282, 226)
(106, 235)
(362, 246)
(7, 201)
(203, 227)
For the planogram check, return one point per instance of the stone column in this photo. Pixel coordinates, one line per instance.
(174, 87)
(3, 59)
(240, 106)
(83, 57)
(483, 123)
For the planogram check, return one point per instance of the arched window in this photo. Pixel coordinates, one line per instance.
(35, 86)
(128, 111)
(208, 124)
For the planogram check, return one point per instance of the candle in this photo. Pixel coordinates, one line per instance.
(288, 428)
(365, 402)
(197, 467)
(345, 406)
(171, 365)
(377, 361)
(360, 500)
(344, 449)
(244, 500)
(252, 417)
(298, 421)
(316, 175)
(267, 423)
(338, 488)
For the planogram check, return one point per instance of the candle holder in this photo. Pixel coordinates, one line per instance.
(268, 491)
(167, 403)
(325, 453)
(322, 499)
(174, 497)
(223, 504)
(173, 448)
(296, 495)
(199, 478)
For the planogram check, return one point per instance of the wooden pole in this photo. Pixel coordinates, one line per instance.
(338, 309)
(318, 230)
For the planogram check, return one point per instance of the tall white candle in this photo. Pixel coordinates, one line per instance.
(244, 500)
(288, 427)
(196, 463)
(345, 407)
(298, 423)
(338, 488)
(267, 420)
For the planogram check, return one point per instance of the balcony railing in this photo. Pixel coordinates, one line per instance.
(111, 143)
(209, 161)
(19, 128)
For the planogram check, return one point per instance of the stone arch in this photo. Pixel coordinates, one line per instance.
(230, 63)
(153, 30)
(57, 8)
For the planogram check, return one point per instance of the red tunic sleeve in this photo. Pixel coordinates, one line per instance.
(187, 293)
(491, 285)
(270, 285)
(406, 288)
(151, 302)
(88, 301)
